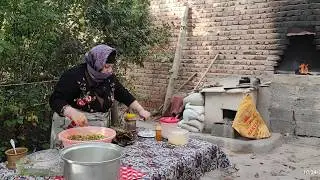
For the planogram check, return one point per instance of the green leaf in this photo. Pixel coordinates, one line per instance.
(47, 37)
(10, 123)
(20, 120)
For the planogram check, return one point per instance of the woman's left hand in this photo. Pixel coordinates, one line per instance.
(144, 114)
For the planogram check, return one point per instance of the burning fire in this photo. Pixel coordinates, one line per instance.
(304, 69)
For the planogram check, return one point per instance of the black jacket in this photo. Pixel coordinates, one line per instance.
(76, 88)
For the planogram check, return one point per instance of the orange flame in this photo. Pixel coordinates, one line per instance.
(304, 69)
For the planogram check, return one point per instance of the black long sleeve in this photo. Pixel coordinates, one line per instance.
(66, 90)
(121, 94)
(73, 87)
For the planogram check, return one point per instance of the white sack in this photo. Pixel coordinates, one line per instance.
(189, 114)
(198, 109)
(195, 99)
(195, 123)
(189, 128)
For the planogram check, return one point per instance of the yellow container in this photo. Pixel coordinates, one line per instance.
(130, 116)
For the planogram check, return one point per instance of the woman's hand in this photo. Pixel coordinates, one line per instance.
(80, 119)
(138, 108)
(74, 115)
(144, 114)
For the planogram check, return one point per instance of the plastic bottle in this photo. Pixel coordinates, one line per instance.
(158, 133)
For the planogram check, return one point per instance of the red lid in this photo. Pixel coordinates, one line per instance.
(169, 119)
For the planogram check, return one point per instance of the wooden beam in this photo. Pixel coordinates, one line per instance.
(177, 58)
(204, 74)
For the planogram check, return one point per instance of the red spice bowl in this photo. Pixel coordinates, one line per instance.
(108, 133)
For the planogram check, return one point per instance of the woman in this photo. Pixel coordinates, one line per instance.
(85, 93)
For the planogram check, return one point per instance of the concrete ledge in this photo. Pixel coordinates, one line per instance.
(242, 146)
(235, 145)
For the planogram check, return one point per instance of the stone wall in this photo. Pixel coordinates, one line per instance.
(295, 105)
(250, 35)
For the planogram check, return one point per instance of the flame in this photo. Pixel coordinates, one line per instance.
(304, 69)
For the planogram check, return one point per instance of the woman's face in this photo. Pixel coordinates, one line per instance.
(107, 68)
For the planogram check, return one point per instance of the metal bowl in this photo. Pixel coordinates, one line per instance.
(92, 161)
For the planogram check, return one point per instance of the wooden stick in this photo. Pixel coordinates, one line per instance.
(204, 74)
(189, 79)
(177, 58)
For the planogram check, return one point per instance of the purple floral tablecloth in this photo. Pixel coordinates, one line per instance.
(159, 160)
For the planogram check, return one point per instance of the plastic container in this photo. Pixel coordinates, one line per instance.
(41, 163)
(12, 157)
(167, 124)
(178, 136)
(108, 133)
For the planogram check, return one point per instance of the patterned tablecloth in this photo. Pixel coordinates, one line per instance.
(159, 160)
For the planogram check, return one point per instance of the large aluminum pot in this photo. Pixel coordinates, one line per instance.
(92, 161)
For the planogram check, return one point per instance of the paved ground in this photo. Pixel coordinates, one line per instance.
(297, 158)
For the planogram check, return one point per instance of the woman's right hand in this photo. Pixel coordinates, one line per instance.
(79, 118)
(74, 115)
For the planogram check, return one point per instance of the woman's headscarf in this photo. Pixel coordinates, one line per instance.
(96, 58)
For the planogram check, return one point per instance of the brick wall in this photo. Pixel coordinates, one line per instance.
(250, 35)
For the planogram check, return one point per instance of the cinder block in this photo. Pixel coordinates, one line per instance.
(307, 115)
(308, 129)
(281, 114)
(279, 126)
(224, 129)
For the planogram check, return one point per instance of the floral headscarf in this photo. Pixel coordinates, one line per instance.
(96, 58)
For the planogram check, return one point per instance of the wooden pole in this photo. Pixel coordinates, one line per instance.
(177, 58)
(189, 79)
(204, 74)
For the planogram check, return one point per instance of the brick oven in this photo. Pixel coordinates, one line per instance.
(301, 54)
(256, 38)
(295, 106)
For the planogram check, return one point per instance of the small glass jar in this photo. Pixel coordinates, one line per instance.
(158, 133)
(130, 122)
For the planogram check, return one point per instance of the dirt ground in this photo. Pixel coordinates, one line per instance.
(297, 158)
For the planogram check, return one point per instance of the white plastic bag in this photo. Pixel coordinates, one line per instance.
(198, 109)
(191, 114)
(187, 127)
(195, 123)
(195, 99)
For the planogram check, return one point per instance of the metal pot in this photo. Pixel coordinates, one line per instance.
(96, 161)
